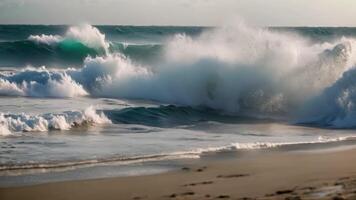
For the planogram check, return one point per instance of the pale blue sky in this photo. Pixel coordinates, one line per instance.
(180, 12)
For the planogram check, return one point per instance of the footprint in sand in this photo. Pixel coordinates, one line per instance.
(139, 198)
(199, 183)
(280, 192)
(185, 168)
(232, 176)
(223, 197)
(174, 195)
(201, 169)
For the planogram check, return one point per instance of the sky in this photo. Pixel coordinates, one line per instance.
(180, 12)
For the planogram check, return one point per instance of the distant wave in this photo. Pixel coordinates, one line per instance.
(71, 49)
(12, 123)
(235, 69)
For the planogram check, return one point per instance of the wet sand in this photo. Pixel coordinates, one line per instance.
(256, 175)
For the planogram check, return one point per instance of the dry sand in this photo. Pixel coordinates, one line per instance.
(260, 175)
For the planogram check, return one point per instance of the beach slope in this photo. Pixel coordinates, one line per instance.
(256, 174)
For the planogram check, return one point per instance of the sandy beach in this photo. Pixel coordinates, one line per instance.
(254, 174)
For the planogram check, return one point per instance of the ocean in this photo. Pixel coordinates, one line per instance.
(100, 101)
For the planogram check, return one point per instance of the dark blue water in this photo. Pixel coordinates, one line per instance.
(142, 43)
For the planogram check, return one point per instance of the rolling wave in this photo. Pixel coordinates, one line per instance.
(13, 123)
(72, 48)
(78, 43)
(40, 83)
(168, 116)
(20, 53)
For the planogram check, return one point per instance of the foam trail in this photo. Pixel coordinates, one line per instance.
(11, 123)
(266, 145)
(46, 39)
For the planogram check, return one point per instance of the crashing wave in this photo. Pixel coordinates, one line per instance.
(11, 123)
(335, 107)
(236, 69)
(230, 69)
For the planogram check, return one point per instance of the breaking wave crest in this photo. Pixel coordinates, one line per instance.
(12, 123)
(85, 34)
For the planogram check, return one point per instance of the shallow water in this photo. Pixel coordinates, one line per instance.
(122, 142)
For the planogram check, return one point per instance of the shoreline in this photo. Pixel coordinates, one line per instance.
(261, 174)
(113, 167)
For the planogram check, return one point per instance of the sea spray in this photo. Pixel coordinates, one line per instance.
(335, 107)
(232, 69)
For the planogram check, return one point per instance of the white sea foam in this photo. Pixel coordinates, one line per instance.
(4, 131)
(40, 83)
(262, 145)
(198, 152)
(10, 89)
(12, 123)
(45, 39)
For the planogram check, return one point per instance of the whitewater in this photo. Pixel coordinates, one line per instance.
(84, 95)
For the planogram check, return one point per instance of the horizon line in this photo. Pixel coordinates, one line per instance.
(166, 25)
